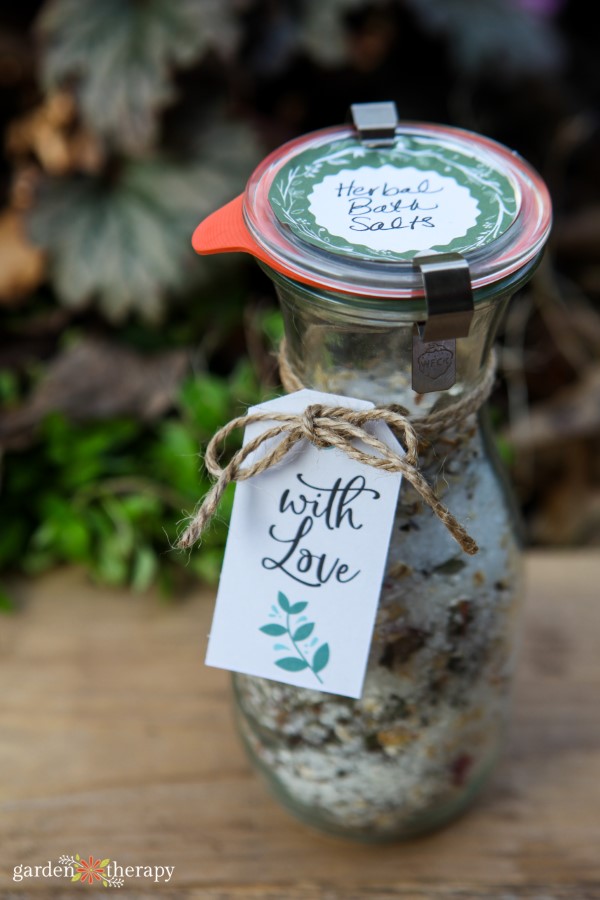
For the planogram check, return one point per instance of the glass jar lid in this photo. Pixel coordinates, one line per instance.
(331, 211)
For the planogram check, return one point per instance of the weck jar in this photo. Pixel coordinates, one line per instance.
(339, 219)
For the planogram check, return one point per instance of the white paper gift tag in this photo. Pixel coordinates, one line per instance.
(304, 561)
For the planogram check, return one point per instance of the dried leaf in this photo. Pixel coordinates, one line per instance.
(97, 380)
(22, 265)
(51, 135)
(121, 53)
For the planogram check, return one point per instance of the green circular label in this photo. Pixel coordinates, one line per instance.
(393, 203)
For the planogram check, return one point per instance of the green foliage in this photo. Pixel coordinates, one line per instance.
(110, 496)
(271, 325)
(6, 602)
(121, 55)
(125, 242)
(9, 387)
(506, 451)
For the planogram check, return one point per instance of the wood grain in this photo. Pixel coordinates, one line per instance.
(116, 741)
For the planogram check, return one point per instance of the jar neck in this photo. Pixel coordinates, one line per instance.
(342, 348)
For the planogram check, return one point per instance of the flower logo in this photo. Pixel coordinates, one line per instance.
(90, 870)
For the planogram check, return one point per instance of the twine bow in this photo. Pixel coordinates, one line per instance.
(323, 426)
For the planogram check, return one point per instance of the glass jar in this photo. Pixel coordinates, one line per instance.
(413, 751)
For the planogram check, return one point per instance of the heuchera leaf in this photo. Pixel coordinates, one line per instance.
(304, 631)
(291, 664)
(297, 608)
(273, 630)
(126, 245)
(121, 55)
(321, 658)
(283, 602)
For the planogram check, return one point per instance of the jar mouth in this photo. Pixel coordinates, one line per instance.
(311, 254)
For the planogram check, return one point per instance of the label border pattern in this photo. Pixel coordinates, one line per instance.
(289, 195)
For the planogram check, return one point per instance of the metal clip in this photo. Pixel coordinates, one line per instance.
(449, 299)
(376, 123)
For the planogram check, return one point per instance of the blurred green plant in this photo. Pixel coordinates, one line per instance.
(110, 495)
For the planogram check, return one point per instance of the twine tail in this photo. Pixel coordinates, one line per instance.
(204, 513)
(458, 532)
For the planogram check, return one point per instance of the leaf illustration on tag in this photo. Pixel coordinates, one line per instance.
(292, 663)
(297, 633)
(321, 658)
(304, 631)
(297, 608)
(273, 630)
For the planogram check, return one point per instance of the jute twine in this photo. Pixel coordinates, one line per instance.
(340, 427)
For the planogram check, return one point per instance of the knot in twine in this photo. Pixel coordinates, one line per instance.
(340, 427)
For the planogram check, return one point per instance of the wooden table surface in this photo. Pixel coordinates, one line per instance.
(116, 741)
